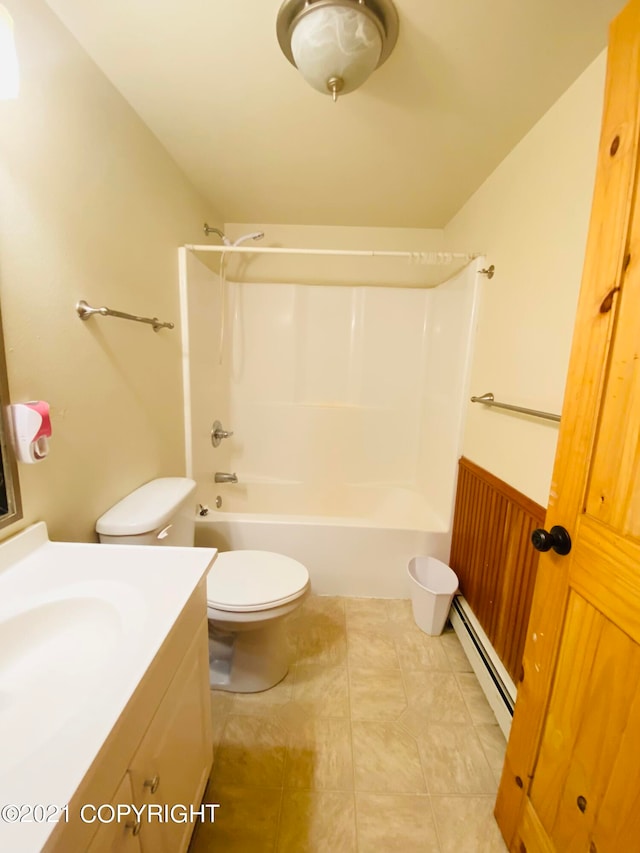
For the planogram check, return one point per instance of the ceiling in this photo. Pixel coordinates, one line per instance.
(465, 82)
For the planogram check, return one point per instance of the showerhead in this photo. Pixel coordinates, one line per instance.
(255, 235)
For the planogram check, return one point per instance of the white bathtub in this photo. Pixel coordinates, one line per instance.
(363, 551)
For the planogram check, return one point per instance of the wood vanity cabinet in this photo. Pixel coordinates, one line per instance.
(159, 752)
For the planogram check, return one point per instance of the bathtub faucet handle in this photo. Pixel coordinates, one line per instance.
(218, 433)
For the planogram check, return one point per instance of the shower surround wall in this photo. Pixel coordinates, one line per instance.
(346, 406)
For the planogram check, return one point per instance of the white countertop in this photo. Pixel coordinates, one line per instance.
(79, 626)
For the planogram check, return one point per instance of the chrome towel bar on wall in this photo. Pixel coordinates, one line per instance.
(85, 311)
(489, 400)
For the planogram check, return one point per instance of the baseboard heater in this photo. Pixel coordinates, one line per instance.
(490, 672)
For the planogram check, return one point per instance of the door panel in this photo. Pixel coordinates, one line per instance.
(613, 496)
(597, 679)
(606, 569)
(563, 721)
(618, 826)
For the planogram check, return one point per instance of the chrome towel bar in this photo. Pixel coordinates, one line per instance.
(489, 400)
(85, 311)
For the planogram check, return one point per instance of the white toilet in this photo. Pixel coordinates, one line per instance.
(248, 592)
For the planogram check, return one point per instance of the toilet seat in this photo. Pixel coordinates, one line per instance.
(247, 581)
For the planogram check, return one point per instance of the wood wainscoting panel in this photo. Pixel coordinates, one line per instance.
(492, 555)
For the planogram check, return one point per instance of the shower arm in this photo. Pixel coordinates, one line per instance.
(208, 229)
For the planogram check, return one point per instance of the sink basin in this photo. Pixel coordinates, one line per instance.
(80, 624)
(51, 655)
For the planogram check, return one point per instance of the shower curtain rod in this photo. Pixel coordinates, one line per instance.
(435, 258)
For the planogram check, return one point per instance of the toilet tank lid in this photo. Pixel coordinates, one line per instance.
(147, 508)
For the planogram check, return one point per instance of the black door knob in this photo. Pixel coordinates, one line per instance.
(557, 538)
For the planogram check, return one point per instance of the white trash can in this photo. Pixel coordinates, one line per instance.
(433, 585)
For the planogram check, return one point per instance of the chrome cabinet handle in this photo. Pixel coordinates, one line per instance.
(152, 784)
(134, 826)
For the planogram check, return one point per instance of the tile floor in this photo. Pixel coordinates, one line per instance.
(379, 739)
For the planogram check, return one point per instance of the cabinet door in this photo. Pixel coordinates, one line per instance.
(173, 761)
(118, 837)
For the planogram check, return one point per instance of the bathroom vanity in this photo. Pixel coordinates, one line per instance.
(104, 694)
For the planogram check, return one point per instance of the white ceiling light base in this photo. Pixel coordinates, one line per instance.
(337, 44)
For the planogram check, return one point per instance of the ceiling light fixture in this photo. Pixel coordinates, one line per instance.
(337, 44)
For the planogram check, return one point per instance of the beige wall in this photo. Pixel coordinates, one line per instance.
(531, 218)
(91, 207)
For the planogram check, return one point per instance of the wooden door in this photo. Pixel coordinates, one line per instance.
(571, 780)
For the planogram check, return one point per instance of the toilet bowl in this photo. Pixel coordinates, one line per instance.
(249, 593)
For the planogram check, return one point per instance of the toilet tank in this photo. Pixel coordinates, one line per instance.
(161, 512)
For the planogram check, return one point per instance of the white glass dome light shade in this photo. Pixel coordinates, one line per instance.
(336, 42)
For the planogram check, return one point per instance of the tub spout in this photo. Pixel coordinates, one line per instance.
(221, 477)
